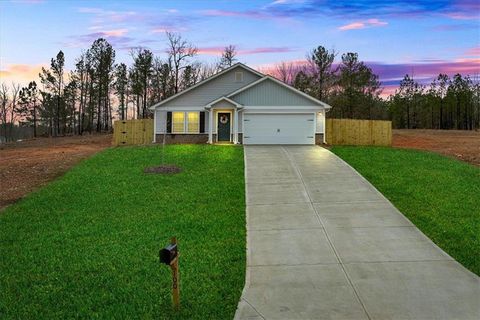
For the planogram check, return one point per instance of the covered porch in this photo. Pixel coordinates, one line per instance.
(223, 121)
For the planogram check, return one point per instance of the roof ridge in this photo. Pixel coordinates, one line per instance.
(214, 76)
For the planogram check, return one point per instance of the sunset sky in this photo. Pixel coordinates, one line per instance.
(393, 37)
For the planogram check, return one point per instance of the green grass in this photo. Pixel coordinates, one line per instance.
(86, 245)
(441, 196)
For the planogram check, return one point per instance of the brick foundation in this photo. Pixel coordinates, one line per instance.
(318, 138)
(183, 138)
(203, 138)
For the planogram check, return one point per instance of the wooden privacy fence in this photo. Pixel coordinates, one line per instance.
(131, 132)
(358, 132)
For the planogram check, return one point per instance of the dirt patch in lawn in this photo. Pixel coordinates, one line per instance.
(27, 165)
(463, 145)
(163, 169)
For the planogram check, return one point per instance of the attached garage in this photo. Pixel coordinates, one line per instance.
(279, 128)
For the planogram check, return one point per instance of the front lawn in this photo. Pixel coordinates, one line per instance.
(441, 196)
(86, 245)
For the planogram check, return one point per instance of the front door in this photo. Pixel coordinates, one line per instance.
(223, 126)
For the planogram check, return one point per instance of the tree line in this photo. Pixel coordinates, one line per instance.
(98, 90)
(354, 91)
(447, 103)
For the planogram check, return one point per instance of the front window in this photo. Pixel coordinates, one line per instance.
(185, 122)
(193, 124)
(178, 122)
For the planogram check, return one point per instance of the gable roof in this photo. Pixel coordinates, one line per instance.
(205, 81)
(235, 103)
(283, 84)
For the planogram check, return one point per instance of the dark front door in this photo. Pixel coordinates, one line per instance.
(223, 126)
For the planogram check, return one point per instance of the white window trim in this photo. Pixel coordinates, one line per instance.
(185, 122)
(173, 123)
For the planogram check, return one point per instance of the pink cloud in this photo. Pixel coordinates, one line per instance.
(217, 51)
(270, 68)
(167, 28)
(463, 15)
(393, 72)
(376, 22)
(115, 33)
(21, 73)
(28, 1)
(265, 50)
(352, 26)
(214, 51)
(473, 52)
(363, 24)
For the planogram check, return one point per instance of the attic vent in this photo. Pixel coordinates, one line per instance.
(238, 76)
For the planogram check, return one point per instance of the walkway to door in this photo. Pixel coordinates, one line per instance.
(325, 244)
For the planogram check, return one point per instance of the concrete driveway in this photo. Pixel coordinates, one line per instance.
(323, 243)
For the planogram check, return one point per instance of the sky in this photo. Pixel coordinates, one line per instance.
(423, 38)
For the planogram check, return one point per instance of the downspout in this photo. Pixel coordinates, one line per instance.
(154, 126)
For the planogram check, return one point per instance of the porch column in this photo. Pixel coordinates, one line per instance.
(210, 125)
(235, 126)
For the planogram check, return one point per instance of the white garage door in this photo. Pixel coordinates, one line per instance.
(278, 128)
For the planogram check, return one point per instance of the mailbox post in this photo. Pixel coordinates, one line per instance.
(169, 255)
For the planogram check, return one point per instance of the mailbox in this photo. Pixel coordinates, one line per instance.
(169, 253)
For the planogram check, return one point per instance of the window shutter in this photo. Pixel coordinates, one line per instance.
(202, 121)
(169, 122)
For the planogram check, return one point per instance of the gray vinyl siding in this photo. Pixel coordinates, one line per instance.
(269, 93)
(213, 89)
(320, 122)
(240, 122)
(223, 104)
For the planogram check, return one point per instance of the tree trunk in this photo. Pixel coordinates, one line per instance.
(441, 114)
(408, 115)
(138, 106)
(99, 108)
(34, 120)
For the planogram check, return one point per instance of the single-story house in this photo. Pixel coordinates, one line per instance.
(240, 105)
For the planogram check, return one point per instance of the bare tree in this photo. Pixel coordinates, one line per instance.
(286, 71)
(228, 57)
(4, 101)
(180, 51)
(206, 70)
(9, 112)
